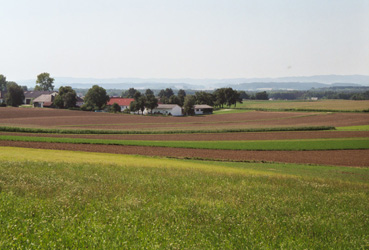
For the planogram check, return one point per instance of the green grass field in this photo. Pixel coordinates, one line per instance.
(324, 105)
(354, 128)
(287, 145)
(62, 199)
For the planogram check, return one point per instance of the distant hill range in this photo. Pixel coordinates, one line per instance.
(281, 83)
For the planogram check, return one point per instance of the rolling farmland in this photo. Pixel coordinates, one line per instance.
(184, 182)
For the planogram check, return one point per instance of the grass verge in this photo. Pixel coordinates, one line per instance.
(63, 199)
(260, 145)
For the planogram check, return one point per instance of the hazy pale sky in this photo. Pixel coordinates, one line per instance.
(183, 38)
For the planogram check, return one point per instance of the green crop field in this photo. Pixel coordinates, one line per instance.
(339, 105)
(306, 144)
(62, 199)
(354, 128)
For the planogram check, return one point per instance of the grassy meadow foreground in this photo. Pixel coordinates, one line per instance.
(238, 179)
(64, 199)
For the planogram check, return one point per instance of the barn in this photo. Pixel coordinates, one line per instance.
(203, 109)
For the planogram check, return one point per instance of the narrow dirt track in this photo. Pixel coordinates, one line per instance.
(359, 158)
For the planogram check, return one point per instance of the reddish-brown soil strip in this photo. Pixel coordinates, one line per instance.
(47, 118)
(329, 157)
(215, 136)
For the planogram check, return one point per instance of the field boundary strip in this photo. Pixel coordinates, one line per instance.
(97, 131)
(197, 122)
(303, 110)
(272, 145)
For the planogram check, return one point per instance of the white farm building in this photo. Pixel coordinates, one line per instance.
(203, 109)
(166, 109)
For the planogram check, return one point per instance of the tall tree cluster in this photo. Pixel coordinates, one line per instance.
(66, 98)
(14, 93)
(2, 83)
(142, 101)
(96, 98)
(167, 96)
(130, 93)
(44, 82)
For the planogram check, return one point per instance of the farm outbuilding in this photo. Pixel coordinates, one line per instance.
(44, 101)
(122, 102)
(203, 109)
(166, 109)
(79, 101)
(30, 96)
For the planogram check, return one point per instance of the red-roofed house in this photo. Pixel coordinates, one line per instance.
(122, 102)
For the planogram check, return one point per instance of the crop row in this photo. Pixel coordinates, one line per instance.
(287, 145)
(97, 131)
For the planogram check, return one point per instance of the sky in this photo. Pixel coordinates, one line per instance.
(183, 38)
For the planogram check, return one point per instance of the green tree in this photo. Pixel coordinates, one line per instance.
(243, 95)
(130, 93)
(151, 101)
(181, 95)
(203, 97)
(115, 107)
(262, 95)
(66, 98)
(220, 97)
(189, 102)
(164, 95)
(58, 101)
(15, 94)
(44, 82)
(96, 98)
(133, 106)
(2, 83)
(140, 102)
(226, 96)
(149, 92)
(174, 100)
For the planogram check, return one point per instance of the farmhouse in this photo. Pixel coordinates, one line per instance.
(203, 109)
(29, 96)
(79, 101)
(166, 109)
(44, 101)
(122, 102)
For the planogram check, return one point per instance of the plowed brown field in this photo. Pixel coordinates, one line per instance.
(330, 157)
(52, 118)
(214, 136)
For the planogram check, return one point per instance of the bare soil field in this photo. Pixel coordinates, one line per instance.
(359, 158)
(53, 118)
(213, 137)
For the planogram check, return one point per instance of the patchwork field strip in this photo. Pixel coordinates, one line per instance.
(258, 145)
(350, 158)
(80, 120)
(209, 136)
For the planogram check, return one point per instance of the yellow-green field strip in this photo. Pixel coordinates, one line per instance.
(51, 199)
(287, 145)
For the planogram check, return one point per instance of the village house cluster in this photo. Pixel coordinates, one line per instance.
(164, 109)
(45, 99)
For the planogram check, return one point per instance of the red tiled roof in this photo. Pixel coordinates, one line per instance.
(120, 101)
